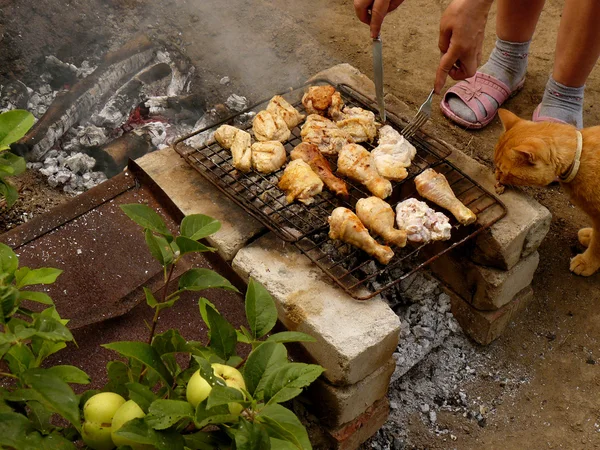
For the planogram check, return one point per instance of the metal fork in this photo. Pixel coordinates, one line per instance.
(419, 120)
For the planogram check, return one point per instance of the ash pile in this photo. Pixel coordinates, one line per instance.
(90, 120)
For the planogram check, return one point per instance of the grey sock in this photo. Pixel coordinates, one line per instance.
(563, 102)
(507, 63)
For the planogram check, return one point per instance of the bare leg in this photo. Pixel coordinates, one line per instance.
(588, 262)
(516, 19)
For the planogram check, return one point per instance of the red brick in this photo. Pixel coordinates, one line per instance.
(350, 435)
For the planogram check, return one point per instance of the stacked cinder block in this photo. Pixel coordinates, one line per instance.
(354, 339)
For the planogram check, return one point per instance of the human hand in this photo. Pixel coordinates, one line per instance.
(462, 30)
(372, 12)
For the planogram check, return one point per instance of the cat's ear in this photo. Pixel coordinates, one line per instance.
(526, 153)
(507, 118)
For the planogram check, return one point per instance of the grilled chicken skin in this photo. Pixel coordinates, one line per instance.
(270, 127)
(310, 154)
(281, 107)
(299, 182)
(238, 141)
(357, 163)
(323, 100)
(422, 224)
(378, 216)
(358, 123)
(325, 134)
(346, 226)
(268, 156)
(393, 154)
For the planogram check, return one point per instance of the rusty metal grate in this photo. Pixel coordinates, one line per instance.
(306, 225)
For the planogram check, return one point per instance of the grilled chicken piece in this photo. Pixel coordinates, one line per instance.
(268, 156)
(324, 134)
(270, 127)
(393, 154)
(323, 100)
(356, 162)
(300, 182)
(280, 106)
(238, 141)
(434, 186)
(344, 225)
(359, 123)
(310, 154)
(422, 224)
(378, 216)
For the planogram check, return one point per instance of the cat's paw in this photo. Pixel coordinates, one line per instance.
(584, 265)
(585, 236)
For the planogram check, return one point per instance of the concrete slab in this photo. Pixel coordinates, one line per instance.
(354, 338)
(192, 194)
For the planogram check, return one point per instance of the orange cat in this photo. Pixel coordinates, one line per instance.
(536, 154)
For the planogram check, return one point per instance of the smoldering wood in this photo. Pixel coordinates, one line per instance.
(112, 158)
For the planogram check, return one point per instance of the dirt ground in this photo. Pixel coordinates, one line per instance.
(267, 46)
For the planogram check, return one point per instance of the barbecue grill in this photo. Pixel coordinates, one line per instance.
(306, 226)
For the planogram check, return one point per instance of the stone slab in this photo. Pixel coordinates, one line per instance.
(483, 287)
(346, 403)
(192, 194)
(351, 435)
(353, 338)
(486, 326)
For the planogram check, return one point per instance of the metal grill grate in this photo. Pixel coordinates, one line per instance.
(306, 225)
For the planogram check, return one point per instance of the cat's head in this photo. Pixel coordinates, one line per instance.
(522, 155)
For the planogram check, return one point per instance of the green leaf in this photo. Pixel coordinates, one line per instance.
(147, 218)
(20, 358)
(11, 165)
(217, 415)
(8, 259)
(40, 417)
(14, 125)
(38, 297)
(186, 245)
(234, 361)
(251, 436)
(51, 329)
(54, 441)
(170, 342)
(165, 413)
(208, 373)
(223, 395)
(8, 192)
(282, 445)
(118, 377)
(290, 336)
(281, 423)
(223, 337)
(260, 309)
(141, 394)
(198, 226)
(202, 303)
(287, 381)
(159, 248)
(9, 302)
(144, 353)
(54, 393)
(68, 374)
(200, 279)
(138, 431)
(261, 361)
(13, 429)
(204, 440)
(28, 277)
(150, 299)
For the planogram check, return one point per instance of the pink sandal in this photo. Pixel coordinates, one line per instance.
(538, 118)
(471, 91)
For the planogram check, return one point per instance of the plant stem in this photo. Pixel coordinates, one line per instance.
(163, 299)
(9, 375)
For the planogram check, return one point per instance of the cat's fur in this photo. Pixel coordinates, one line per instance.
(536, 154)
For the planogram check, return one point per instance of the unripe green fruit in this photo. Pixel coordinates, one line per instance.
(198, 388)
(98, 413)
(128, 411)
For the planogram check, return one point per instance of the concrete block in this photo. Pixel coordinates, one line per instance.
(486, 326)
(483, 287)
(192, 194)
(350, 435)
(346, 403)
(354, 338)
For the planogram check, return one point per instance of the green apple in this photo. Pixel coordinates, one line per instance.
(128, 411)
(98, 413)
(198, 388)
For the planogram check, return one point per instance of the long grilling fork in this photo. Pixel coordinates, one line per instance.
(420, 118)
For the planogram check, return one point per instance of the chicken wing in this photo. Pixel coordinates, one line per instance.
(422, 224)
(359, 123)
(378, 216)
(393, 154)
(299, 182)
(324, 134)
(281, 107)
(323, 100)
(310, 154)
(356, 162)
(238, 141)
(270, 127)
(434, 186)
(268, 156)
(344, 225)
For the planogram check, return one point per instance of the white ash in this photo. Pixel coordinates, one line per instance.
(237, 102)
(157, 105)
(85, 136)
(114, 112)
(180, 82)
(225, 80)
(39, 101)
(244, 120)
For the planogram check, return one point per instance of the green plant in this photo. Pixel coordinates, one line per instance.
(32, 395)
(13, 126)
